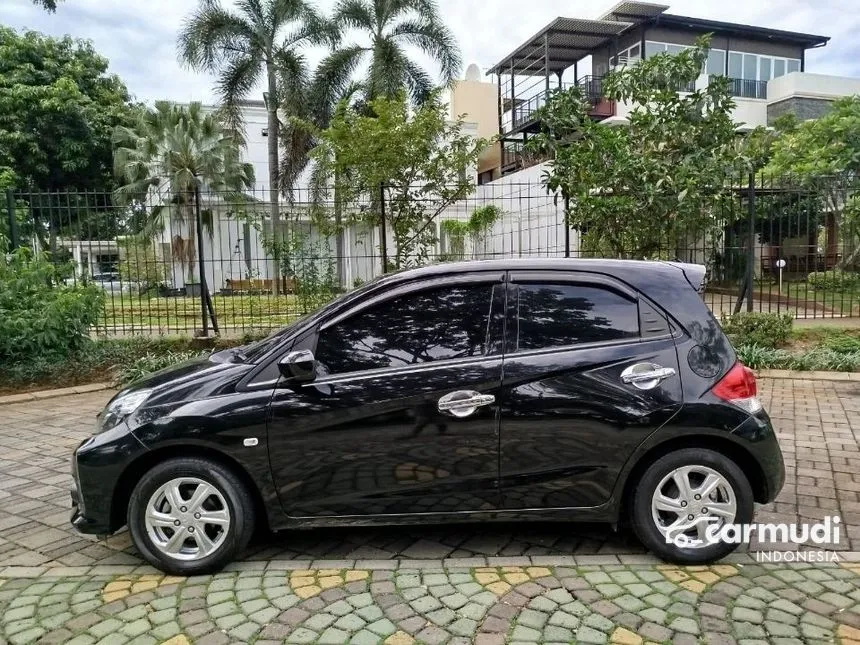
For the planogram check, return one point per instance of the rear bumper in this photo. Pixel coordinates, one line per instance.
(760, 440)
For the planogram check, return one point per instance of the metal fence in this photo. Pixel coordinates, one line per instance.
(774, 245)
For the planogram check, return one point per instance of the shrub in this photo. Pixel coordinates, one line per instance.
(758, 357)
(842, 344)
(754, 328)
(838, 281)
(111, 360)
(150, 363)
(40, 317)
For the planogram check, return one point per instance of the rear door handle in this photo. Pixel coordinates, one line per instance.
(646, 376)
(464, 403)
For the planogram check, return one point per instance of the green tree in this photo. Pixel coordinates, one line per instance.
(824, 155)
(58, 108)
(258, 40)
(170, 154)
(416, 160)
(47, 5)
(641, 188)
(389, 27)
(140, 265)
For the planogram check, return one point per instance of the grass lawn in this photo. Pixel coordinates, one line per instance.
(127, 312)
(845, 303)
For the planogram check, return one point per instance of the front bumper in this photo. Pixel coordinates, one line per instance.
(97, 467)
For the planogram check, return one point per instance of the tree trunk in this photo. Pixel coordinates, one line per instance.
(274, 133)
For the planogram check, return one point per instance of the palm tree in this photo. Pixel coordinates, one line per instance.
(390, 25)
(240, 46)
(168, 156)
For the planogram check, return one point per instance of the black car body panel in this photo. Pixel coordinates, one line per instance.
(560, 439)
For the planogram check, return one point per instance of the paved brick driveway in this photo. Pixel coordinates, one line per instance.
(818, 423)
(463, 584)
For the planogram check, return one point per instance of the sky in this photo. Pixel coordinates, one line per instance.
(139, 36)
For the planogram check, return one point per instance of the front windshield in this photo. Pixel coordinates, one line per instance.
(251, 353)
(255, 351)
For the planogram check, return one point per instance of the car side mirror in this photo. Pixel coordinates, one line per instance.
(299, 366)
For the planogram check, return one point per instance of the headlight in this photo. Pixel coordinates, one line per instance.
(120, 409)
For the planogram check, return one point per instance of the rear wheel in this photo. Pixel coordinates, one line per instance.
(190, 515)
(684, 498)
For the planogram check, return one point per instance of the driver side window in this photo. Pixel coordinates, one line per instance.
(431, 325)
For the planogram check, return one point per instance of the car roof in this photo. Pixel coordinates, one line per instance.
(634, 271)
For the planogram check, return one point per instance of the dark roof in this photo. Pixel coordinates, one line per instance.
(631, 11)
(572, 39)
(736, 29)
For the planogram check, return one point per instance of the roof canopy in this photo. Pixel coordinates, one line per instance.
(626, 11)
(569, 40)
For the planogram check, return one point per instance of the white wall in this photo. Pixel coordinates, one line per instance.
(532, 223)
(811, 86)
(750, 113)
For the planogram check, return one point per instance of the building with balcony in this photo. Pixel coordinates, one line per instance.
(766, 68)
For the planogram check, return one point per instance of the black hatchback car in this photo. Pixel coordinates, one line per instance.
(589, 390)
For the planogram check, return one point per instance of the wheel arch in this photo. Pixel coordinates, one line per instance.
(133, 472)
(721, 444)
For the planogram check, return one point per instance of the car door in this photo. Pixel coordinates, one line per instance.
(577, 399)
(367, 436)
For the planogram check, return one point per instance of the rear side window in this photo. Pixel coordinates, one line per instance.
(433, 325)
(557, 315)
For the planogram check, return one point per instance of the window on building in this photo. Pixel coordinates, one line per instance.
(716, 64)
(764, 68)
(432, 325)
(628, 56)
(736, 65)
(792, 65)
(750, 67)
(652, 48)
(558, 315)
(778, 67)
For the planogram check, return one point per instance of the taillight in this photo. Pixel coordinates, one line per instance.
(738, 387)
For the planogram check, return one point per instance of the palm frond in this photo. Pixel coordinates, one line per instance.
(211, 34)
(418, 82)
(357, 14)
(435, 40)
(387, 73)
(236, 79)
(332, 79)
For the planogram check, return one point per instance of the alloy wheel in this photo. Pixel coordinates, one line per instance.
(688, 501)
(187, 518)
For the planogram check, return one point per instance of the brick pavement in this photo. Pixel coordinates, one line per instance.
(487, 584)
(625, 604)
(818, 423)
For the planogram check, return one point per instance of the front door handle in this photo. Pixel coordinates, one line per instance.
(646, 376)
(464, 402)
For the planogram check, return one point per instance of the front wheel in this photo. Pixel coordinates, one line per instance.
(684, 499)
(190, 516)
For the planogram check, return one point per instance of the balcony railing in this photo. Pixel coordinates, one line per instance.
(748, 89)
(516, 157)
(524, 112)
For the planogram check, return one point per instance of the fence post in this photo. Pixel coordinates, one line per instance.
(566, 226)
(751, 242)
(204, 319)
(383, 244)
(13, 225)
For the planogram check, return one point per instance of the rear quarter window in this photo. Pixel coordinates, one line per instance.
(558, 315)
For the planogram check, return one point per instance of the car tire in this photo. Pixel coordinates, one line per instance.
(699, 463)
(225, 514)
